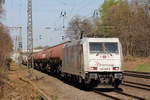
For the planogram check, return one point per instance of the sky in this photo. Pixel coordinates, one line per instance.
(46, 13)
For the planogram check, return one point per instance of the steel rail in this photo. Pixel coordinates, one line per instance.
(137, 84)
(147, 73)
(129, 95)
(136, 87)
(137, 75)
(106, 95)
(119, 92)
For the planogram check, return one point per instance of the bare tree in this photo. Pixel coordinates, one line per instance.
(74, 29)
(132, 26)
(2, 2)
(86, 27)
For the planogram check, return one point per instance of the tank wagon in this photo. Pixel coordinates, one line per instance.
(89, 61)
(49, 59)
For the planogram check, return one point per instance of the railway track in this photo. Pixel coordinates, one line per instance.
(123, 94)
(137, 74)
(129, 95)
(139, 84)
(138, 87)
(143, 75)
(145, 87)
(146, 73)
(119, 92)
(106, 95)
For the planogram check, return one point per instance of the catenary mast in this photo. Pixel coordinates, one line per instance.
(29, 33)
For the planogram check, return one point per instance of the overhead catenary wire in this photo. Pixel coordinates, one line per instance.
(82, 5)
(86, 5)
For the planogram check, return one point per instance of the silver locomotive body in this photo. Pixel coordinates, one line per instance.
(93, 61)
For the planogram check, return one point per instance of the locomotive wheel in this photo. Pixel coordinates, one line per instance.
(116, 86)
(116, 83)
(63, 75)
(48, 68)
(38, 67)
(42, 68)
(59, 70)
(80, 80)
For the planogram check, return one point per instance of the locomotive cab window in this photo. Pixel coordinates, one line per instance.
(103, 47)
(111, 47)
(96, 47)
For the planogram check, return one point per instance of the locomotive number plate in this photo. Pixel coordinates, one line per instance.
(105, 68)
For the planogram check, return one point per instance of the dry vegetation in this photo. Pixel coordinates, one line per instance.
(136, 64)
(17, 85)
(5, 49)
(132, 26)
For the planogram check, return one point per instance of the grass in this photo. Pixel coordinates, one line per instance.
(40, 98)
(6, 76)
(56, 97)
(129, 58)
(143, 67)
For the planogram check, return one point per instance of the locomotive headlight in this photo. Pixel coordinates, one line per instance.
(115, 68)
(94, 68)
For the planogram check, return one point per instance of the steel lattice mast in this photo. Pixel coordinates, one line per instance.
(30, 33)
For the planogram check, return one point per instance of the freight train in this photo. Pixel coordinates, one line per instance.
(88, 61)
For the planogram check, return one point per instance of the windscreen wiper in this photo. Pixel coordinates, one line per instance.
(107, 51)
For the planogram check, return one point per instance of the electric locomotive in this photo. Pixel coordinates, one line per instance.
(93, 61)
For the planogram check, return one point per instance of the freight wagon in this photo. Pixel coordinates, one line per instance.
(49, 59)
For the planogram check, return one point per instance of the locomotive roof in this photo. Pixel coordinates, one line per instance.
(80, 41)
(102, 39)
